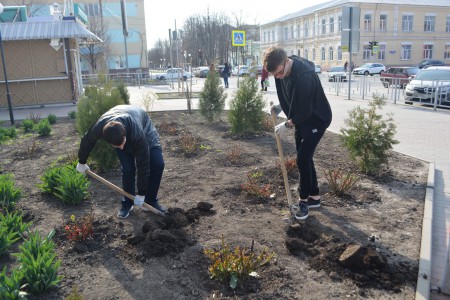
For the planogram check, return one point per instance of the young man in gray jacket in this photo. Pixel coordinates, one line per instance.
(131, 132)
(303, 101)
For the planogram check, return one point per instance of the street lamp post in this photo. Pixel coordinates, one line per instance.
(8, 95)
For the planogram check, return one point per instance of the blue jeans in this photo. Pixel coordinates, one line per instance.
(225, 80)
(128, 164)
(306, 145)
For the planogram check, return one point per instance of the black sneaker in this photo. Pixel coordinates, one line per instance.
(313, 203)
(124, 212)
(302, 212)
(156, 205)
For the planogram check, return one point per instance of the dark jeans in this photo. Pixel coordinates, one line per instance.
(128, 164)
(225, 81)
(306, 145)
(263, 86)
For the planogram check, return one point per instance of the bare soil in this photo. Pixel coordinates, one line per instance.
(149, 257)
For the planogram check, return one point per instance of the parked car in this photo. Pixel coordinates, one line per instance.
(318, 69)
(369, 69)
(173, 73)
(201, 72)
(243, 70)
(427, 84)
(430, 62)
(398, 75)
(337, 74)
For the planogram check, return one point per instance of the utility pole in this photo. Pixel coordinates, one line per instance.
(125, 31)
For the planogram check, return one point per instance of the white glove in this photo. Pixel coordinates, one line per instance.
(139, 200)
(82, 168)
(280, 128)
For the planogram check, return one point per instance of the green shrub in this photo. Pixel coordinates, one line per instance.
(246, 108)
(123, 91)
(43, 128)
(38, 263)
(91, 107)
(72, 114)
(27, 125)
(368, 136)
(10, 287)
(7, 133)
(51, 118)
(212, 97)
(14, 223)
(9, 195)
(7, 239)
(65, 183)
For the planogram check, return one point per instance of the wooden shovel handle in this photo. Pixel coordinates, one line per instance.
(121, 191)
(282, 162)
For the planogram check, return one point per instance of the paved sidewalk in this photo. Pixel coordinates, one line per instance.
(423, 133)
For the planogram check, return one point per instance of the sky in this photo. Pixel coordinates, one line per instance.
(161, 14)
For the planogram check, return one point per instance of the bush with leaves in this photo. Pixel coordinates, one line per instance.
(246, 108)
(13, 222)
(123, 91)
(212, 97)
(65, 183)
(38, 263)
(28, 125)
(43, 128)
(51, 118)
(72, 114)
(368, 136)
(7, 133)
(7, 239)
(9, 194)
(96, 101)
(11, 287)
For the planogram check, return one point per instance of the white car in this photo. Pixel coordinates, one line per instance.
(173, 73)
(318, 69)
(422, 88)
(243, 70)
(337, 74)
(369, 69)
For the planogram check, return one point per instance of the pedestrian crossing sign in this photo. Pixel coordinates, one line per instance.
(238, 38)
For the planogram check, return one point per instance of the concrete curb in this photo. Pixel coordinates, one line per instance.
(424, 274)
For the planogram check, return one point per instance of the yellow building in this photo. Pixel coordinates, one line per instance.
(406, 31)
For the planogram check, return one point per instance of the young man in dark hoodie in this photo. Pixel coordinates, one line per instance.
(303, 100)
(131, 132)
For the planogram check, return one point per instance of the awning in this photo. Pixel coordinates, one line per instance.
(46, 30)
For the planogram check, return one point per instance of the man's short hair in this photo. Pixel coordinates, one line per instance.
(273, 57)
(114, 133)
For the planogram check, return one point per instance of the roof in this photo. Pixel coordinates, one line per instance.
(46, 30)
(334, 3)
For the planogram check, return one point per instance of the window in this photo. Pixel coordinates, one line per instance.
(367, 22)
(339, 52)
(298, 31)
(447, 25)
(314, 54)
(306, 53)
(273, 35)
(383, 22)
(339, 23)
(324, 26)
(298, 52)
(292, 32)
(330, 53)
(407, 23)
(314, 29)
(91, 10)
(427, 51)
(285, 33)
(429, 23)
(366, 52)
(405, 52)
(447, 51)
(264, 36)
(381, 51)
(322, 53)
(306, 30)
(331, 25)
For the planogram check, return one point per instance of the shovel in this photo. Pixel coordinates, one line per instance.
(274, 114)
(121, 191)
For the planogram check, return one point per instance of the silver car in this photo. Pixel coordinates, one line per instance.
(429, 84)
(337, 74)
(369, 69)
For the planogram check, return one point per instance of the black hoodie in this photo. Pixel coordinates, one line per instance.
(302, 97)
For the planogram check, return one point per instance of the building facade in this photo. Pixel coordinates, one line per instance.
(109, 13)
(406, 32)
